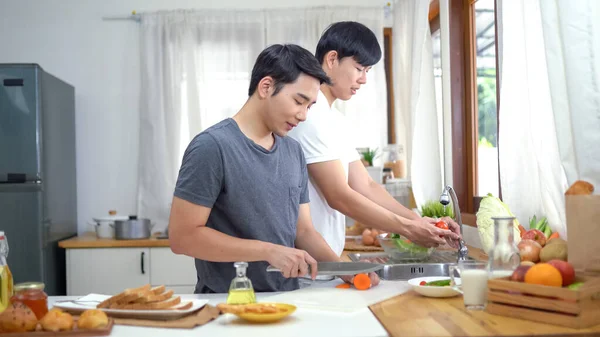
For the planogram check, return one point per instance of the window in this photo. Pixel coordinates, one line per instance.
(474, 102)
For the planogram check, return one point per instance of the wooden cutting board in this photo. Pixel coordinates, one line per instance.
(352, 245)
(411, 314)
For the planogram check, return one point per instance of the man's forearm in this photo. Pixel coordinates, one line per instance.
(210, 245)
(313, 243)
(379, 195)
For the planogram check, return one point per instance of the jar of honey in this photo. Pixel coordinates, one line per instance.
(32, 295)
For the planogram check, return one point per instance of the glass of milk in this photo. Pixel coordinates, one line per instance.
(473, 279)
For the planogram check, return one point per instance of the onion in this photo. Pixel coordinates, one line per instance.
(529, 250)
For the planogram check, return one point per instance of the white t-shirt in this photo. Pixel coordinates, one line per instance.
(325, 136)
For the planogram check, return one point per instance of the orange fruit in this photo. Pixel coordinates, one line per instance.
(544, 274)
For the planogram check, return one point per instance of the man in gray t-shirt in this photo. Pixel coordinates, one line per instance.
(242, 193)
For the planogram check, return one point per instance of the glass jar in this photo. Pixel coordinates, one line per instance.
(394, 159)
(32, 295)
(241, 290)
(504, 256)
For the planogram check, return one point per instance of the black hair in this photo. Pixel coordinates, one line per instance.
(285, 63)
(349, 38)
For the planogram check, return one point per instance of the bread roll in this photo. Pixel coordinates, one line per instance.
(580, 187)
(17, 318)
(57, 320)
(92, 319)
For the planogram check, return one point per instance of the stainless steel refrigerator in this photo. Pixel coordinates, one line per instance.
(38, 194)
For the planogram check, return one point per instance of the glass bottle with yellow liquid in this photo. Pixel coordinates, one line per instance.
(240, 290)
(6, 279)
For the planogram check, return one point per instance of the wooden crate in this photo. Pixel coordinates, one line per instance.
(552, 305)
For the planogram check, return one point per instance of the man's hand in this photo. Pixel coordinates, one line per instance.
(292, 262)
(453, 226)
(373, 276)
(424, 233)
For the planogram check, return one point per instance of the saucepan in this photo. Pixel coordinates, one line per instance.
(133, 228)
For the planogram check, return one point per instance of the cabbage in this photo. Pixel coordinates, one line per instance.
(492, 206)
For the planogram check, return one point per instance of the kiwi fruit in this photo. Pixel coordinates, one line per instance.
(556, 251)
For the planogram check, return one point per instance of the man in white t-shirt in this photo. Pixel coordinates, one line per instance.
(339, 183)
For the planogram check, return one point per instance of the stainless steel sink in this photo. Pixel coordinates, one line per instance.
(436, 265)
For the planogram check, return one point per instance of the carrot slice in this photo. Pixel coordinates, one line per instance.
(343, 286)
(362, 282)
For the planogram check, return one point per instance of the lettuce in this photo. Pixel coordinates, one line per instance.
(492, 206)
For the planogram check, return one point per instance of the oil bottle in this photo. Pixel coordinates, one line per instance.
(6, 279)
(241, 290)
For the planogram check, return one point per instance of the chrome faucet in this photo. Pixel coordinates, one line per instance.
(445, 198)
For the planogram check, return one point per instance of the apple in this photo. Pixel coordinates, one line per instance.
(519, 274)
(529, 250)
(535, 235)
(566, 270)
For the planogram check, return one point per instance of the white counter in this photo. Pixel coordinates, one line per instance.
(306, 321)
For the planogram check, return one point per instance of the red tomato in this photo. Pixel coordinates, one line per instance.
(422, 283)
(442, 225)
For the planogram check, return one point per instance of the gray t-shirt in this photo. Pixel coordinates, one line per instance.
(254, 193)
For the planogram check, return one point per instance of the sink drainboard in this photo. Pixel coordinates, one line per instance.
(436, 265)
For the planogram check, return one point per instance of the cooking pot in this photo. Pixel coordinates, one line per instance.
(104, 226)
(133, 228)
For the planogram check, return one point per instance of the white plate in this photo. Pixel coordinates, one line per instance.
(92, 300)
(433, 291)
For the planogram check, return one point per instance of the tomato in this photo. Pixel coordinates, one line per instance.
(422, 283)
(442, 225)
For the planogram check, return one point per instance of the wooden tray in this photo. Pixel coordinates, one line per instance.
(73, 333)
(552, 305)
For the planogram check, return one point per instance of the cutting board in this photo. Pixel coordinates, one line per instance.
(324, 296)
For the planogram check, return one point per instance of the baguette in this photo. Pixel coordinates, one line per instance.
(121, 296)
(158, 290)
(155, 298)
(162, 305)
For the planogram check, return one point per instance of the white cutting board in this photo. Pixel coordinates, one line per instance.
(324, 296)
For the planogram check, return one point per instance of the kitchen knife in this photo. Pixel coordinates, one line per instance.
(340, 268)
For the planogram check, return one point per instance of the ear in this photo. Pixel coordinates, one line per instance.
(265, 87)
(331, 59)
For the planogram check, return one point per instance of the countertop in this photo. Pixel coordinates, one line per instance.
(89, 240)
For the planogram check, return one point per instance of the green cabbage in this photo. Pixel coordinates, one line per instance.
(492, 206)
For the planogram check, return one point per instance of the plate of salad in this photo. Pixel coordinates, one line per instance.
(434, 286)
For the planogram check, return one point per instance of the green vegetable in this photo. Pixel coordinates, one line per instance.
(434, 209)
(405, 245)
(575, 285)
(490, 207)
(439, 283)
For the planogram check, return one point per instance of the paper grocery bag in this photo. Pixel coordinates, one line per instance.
(583, 232)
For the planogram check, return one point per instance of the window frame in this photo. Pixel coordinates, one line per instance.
(463, 76)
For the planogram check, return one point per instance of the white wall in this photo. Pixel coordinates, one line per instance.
(69, 39)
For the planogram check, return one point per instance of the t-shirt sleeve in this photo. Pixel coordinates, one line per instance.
(201, 173)
(304, 198)
(315, 141)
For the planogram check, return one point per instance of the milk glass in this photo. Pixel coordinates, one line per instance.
(473, 283)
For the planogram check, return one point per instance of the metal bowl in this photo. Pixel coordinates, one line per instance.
(401, 249)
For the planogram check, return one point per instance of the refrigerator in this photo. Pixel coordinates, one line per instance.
(38, 193)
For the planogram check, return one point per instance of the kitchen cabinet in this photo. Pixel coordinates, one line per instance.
(111, 270)
(106, 270)
(172, 270)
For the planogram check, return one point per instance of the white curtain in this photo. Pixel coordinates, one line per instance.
(549, 104)
(195, 72)
(196, 68)
(414, 92)
(367, 110)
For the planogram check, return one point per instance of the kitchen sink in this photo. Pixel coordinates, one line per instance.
(436, 265)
